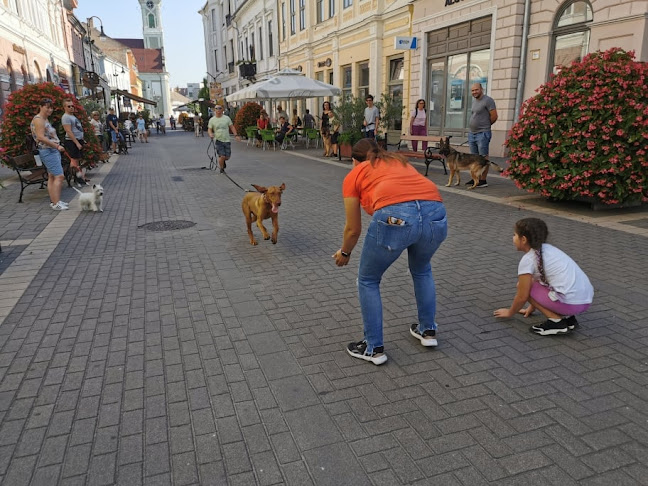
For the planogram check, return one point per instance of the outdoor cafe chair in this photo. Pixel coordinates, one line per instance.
(268, 136)
(250, 133)
(312, 134)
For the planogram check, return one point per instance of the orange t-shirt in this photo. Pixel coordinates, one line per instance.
(387, 183)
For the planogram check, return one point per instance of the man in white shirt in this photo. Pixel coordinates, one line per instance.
(371, 118)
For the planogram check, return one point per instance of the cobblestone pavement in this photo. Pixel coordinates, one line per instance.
(129, 356)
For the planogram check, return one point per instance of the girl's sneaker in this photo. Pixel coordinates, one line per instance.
(551, 328)
(428, 338)
(359, 350)
(59, 206)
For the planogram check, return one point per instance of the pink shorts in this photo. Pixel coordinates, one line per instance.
(540, 294)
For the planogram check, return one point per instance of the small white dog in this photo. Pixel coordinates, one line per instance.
(91, 200)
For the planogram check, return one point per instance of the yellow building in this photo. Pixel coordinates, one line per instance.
(347, 43)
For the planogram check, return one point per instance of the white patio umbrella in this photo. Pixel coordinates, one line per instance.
(283, 85)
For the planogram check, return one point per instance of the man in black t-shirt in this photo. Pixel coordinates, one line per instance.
(113, 127)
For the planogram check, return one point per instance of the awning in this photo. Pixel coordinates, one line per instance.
(133, 97)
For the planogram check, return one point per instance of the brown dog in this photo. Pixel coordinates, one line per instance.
(458, 161)
(261, 205)
(326, 141)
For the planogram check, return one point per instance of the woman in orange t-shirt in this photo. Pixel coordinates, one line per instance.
(407, 214)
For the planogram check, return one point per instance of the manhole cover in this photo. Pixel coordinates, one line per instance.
(167, 225)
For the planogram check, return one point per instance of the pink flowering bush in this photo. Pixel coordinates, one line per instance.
(585, 134)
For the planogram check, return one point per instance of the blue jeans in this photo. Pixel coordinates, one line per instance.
(479, 142)
(424, 229)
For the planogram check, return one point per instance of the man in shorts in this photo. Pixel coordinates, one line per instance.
(483, 115)
(73, 139)
(218, 128)
(113, 128)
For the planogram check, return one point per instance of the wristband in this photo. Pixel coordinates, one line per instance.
(344, 253)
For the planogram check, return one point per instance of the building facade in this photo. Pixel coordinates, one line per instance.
(32, 45)
(487, 41)
(238, 32)
(349, 44)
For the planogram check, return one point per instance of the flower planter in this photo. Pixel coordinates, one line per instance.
(345, 150)
(597, 205)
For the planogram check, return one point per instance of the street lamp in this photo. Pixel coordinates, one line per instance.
(102, 35)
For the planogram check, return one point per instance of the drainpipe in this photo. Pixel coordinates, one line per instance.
(523, 59)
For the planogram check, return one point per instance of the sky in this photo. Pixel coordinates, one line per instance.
(184, 44)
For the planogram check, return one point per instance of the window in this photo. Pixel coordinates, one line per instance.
(347, 81)
(347, 3)
(395, 87)
(216, 60)
(151, 21)
(252, 47)
(247, 49)
(330, 77)
(302, 14)
(363, 80)
(293, 28)
(283, 21)
(319, 11)
(214, 24)
(331, 8)
(571, 34)
(270, 45)
(260, 51)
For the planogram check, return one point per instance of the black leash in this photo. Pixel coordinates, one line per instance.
(235, 183)
(213, 165)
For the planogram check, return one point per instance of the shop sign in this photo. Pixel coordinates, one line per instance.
(19, 49)
(405, 43)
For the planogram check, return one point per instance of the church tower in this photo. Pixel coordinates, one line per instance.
(152, 24)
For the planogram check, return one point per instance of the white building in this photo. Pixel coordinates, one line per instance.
(240, 32)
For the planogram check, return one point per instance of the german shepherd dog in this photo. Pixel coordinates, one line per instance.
(326, 141)
(458, 161)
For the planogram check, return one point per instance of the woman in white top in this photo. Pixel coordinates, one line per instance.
(549, 280)
(418, 124)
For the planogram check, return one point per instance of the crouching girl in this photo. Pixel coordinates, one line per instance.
(549, 280)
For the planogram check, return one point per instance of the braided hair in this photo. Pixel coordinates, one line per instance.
(536, 232)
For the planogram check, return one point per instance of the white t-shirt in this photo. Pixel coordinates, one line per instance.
(419, 118)
(562, 273)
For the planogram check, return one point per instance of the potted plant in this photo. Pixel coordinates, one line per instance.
(583, 136)
(391, 117)
(349, 112)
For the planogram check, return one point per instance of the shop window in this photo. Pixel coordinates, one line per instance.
(283, 21)
(363, 80)
(347, 81)
(395, 87)
(571, 34)
(270, 45)
(38, 75)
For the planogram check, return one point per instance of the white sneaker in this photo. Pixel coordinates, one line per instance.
(59, 206)
(62, 203)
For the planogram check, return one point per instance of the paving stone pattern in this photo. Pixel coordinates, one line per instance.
(190, 357)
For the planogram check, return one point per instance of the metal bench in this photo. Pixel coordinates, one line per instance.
(28, 172)
(429, 155)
